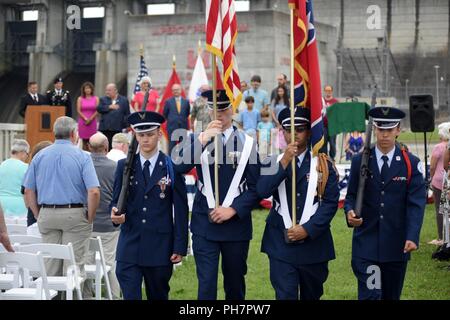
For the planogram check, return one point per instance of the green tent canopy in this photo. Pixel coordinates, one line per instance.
(347, 117)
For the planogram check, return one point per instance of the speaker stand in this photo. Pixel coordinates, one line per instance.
(427, 183)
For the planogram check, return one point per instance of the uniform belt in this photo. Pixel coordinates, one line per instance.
(61, 206)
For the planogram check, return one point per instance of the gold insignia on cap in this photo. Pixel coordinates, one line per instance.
(142, 115)
(385, 111)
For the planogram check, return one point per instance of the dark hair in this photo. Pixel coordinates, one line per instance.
(255, 78)
(31, 83)
(249, 99)
(41, 145)
(84, 85)
(285, 96)
(265, 112)
(284, 76)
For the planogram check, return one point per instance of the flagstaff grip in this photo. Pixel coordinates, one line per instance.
(129, 163)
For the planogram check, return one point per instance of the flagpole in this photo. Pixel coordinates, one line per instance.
(216, 142)
(292, 106)
(141, 49)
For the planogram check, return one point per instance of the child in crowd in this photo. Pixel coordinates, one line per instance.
(250, 117)
(264, 133)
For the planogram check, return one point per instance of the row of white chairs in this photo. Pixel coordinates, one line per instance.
(14, 229)
(72, 280)
(14, 220)
(22, 264)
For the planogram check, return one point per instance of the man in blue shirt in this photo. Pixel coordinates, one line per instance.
(64, 178)
(261, 96)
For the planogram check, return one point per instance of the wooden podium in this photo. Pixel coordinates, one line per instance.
(39, 122)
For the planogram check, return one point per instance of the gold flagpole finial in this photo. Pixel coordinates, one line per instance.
(141, 49)
(174, 62)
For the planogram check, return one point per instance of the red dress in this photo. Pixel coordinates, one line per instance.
(139, 99)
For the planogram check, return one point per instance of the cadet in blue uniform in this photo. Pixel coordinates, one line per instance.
(60, 97)
(392, 212)
(227, 230)
(299, 264)
(154, 228)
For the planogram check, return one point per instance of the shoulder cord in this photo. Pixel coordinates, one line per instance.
(322, 169)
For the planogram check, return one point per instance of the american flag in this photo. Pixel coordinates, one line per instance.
(143, 72)
(307, 87)
(221, 34)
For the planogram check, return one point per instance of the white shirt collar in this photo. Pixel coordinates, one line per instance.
(379, 154)
(301, 157)
(152, 160)
(227, 133)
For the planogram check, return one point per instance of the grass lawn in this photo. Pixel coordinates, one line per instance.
(425, 278)
(409, 137)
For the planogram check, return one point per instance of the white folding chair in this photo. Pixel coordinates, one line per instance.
(16, 229)
(62, 252)
(24, 239)
(21, 221)
(10, 220)
(98, 270)
(8, 279)
(33, 230)
(26, 262)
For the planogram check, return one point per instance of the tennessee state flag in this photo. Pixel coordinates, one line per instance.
(307, 86)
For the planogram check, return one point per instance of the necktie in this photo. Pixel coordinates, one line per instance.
(384, 168)
(224, 140)
(178, 105)
(35, 98)
(146, 172)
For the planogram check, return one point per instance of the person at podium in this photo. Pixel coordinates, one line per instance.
(31, 98)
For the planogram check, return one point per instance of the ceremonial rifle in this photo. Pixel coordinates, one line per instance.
(129, 163)
(364, 171)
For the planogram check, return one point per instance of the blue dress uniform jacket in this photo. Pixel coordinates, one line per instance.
(318, 246)
(392, 213)
(239, 227)
(151, 233)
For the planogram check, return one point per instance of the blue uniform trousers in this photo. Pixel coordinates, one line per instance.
(289, 280)
(389, 286)
(234, 267)
(156, 281)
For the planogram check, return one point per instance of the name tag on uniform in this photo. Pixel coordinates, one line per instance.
(399, 179)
